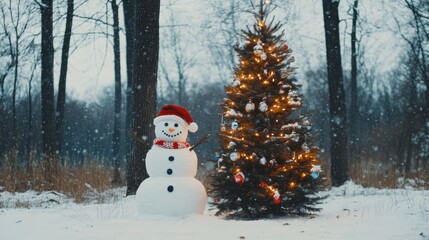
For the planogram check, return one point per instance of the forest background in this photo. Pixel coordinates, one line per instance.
(388, 117)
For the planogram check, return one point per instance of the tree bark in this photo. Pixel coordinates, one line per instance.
(29, 162)
(353, 86)
(117, 117)
(61, 100)
(15, 60)
(129, 19)
(144, 76)
(337, 103)
(47, 90)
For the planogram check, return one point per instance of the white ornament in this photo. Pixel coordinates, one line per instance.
(234, 156)
(263, 160)
(232, 144)
(276, 194)
(258, 49)
(272, 163)
(315, 171)
(263, 56)
(236, 83)
(250, 106)
(219, 161)
(234, 125)
(263, 107)
(295, 137)
(305, 148)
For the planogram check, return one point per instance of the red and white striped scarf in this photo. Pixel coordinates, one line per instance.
(171, 144)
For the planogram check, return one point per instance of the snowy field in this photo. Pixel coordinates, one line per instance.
(350, 212)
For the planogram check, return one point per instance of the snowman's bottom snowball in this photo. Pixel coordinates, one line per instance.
(171, 196)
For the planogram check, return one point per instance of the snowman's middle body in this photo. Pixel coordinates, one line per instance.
(164, 162)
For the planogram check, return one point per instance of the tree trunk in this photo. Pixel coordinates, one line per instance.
(117, 117)
(15, 81)
(29, 163)
(129, 19)
(145, 69)
(337, 103)
(63, 77)
(47, 91)
(353, 86)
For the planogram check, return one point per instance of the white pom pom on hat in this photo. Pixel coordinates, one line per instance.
(176, 113)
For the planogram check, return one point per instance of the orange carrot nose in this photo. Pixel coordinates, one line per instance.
(171, 129)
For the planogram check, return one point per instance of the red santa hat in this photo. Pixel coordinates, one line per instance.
(176, 113)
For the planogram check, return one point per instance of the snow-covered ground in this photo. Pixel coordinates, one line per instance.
(350, 212)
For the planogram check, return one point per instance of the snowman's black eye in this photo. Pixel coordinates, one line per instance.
(166, 124)
(176, 125)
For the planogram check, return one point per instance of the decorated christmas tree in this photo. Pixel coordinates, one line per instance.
(266, 165)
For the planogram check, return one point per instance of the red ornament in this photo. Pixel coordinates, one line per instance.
(239, 178)
(277, 198)
(285, 47)
(262, 184)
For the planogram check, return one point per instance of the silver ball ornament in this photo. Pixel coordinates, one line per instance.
(263, 107)
(234, 156)
(250, 106)
(234, 125)
(258, 50)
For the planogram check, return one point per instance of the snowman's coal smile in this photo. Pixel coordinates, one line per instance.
(171, 135)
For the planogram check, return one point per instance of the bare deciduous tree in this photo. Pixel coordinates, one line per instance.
(118, 96)
(47, 91)
(354, 111)
(16, 18)
(177, 54)
(61, 100)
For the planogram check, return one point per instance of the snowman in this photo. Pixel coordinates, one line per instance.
(171, 188)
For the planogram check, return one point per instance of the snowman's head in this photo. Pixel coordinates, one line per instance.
(170, 130)
(173, 123)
